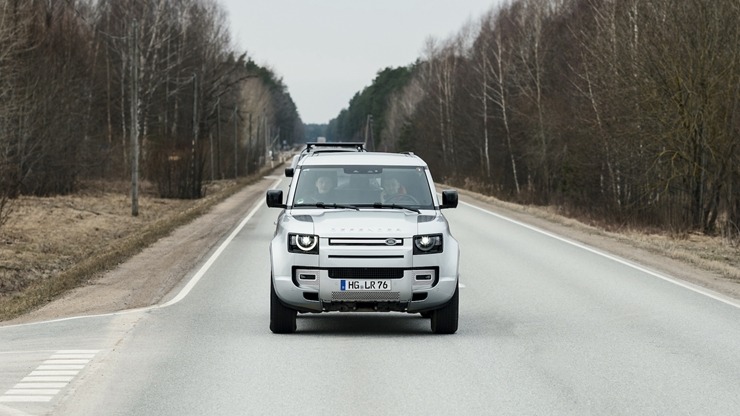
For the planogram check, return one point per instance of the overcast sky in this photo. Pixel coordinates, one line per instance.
(327, 50)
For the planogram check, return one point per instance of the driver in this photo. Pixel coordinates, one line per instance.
(391, 188)
(324, 185)
(324, 188)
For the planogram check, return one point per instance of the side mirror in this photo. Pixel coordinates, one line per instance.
(289, 172)
(275, 198)
(449, 199)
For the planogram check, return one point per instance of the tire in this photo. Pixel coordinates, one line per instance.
(282, 318)
(426, 315)
(444, 319)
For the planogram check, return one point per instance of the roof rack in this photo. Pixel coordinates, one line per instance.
(356, 145)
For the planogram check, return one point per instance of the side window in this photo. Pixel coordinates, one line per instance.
(304, 187)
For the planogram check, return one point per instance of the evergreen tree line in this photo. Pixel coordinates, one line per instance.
(79, 79)
(626, 111)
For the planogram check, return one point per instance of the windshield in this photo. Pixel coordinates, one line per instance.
(363, 186)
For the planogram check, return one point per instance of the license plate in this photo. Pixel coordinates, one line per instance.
(363, 285)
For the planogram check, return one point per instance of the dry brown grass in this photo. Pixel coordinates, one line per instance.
(51, 245)
(715, 254)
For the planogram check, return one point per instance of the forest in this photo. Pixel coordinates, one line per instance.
(86, 85)
(624, 112)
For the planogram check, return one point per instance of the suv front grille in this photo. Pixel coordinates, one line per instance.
(365, 273)
(393, 242)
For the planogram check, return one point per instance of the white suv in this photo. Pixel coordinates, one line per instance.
(363, 232)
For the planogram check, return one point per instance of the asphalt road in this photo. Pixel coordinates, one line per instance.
(547, 327)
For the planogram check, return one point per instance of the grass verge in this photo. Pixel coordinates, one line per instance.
(39, 275)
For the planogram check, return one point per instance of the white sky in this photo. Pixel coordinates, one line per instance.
(327, 50)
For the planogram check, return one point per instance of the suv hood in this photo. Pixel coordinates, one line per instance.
(366, 223)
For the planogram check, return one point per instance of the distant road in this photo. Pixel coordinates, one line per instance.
(546, 328)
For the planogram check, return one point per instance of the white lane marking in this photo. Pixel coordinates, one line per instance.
(32, 392)
(66, 361)
(71, 356)
(60, 367)
(24, 399)
(713, 295)
(53, 373)
(46, 381)
(30, 379)
(40, 385)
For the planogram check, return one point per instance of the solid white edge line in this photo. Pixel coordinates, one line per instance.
(188, 287)
(697, 289)
(199, 275)
(196, 278)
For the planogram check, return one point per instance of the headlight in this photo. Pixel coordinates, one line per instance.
(303, 243)
(427, 244)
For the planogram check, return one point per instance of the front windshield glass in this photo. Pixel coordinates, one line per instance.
(363, 186)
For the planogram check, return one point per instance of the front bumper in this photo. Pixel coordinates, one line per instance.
(313, 283)
(313, 290)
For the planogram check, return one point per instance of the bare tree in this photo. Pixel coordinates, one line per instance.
(9, 48)
(439, 78)
(529, 18)
(496, 66)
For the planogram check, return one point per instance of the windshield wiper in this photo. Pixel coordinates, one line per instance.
(335, 206)
(395, 206)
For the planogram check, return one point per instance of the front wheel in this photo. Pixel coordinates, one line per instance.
(282, 318)
(444, 319)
